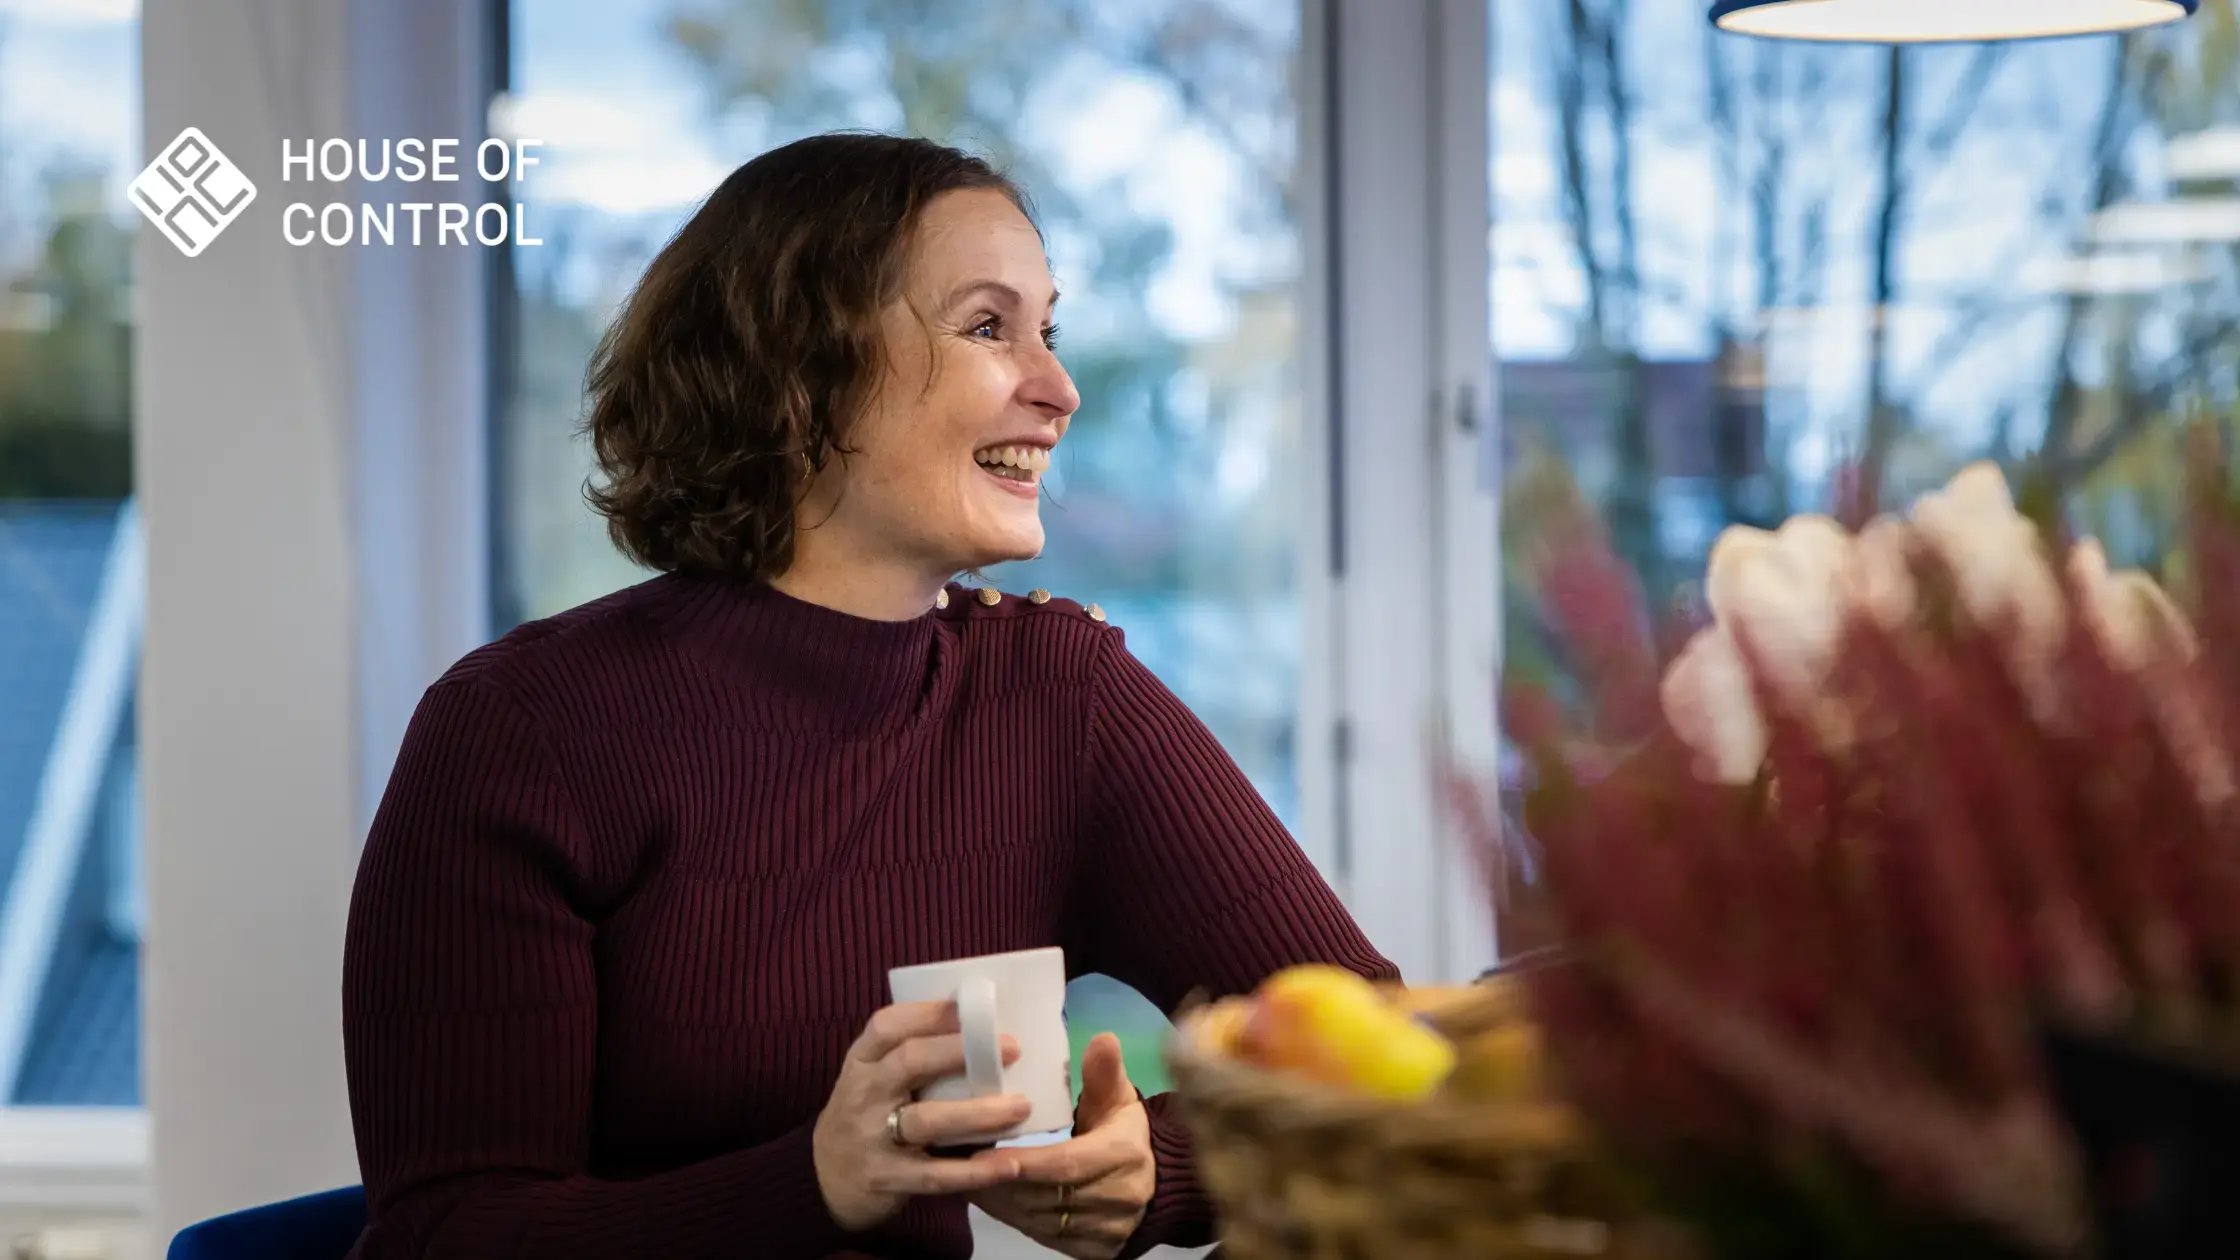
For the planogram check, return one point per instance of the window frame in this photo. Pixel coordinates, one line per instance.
(1413, 619)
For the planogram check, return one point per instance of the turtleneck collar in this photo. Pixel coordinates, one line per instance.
(803, 665)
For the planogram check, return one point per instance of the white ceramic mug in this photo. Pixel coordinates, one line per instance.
(1021, 993)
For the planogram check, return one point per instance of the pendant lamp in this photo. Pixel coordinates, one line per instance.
(1939, 21)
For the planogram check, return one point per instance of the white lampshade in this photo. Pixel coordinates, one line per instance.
(1936, 21)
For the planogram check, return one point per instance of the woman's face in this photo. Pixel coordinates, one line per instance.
(946, 468)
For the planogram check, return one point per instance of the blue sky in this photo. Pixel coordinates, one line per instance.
(69, 93)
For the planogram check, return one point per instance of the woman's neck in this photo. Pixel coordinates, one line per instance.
(881, 588)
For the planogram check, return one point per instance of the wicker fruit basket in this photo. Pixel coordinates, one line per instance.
(1304, 1171)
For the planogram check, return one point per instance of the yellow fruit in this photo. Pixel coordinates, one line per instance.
(1330, 1025)
(1301, 1014)
(1405, 1061)
(1505, 1064)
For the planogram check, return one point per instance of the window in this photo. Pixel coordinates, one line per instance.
(1158, 142)
(69, 574)
(1726, 267)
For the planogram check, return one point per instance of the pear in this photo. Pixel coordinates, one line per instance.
(1330, 1025)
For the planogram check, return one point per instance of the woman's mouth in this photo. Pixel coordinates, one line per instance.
(1019, 468)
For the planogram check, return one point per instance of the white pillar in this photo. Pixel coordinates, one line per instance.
(295, 411)
(1466, 445)
(1402, 152)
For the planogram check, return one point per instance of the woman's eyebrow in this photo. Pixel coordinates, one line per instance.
(997, 287)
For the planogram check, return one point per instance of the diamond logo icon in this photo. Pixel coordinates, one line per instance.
(192, 191)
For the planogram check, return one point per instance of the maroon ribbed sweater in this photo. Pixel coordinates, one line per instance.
(642, 867)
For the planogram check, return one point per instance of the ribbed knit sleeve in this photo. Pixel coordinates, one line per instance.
(470, 1023)
(1189, 881)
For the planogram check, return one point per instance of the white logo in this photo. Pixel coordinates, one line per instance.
(192, 191)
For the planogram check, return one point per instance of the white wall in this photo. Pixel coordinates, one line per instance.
(302, 415)
(246, 729)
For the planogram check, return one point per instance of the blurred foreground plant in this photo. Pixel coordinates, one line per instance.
(1830, 872)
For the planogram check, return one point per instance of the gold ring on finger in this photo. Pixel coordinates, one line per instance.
(1065, 1218)
(894, 1127)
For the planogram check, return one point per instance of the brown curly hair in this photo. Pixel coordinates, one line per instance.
(751, 343)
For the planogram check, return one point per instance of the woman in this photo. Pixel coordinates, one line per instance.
(616, 965)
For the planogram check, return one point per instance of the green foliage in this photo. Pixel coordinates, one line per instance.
(65, 363)
(43, 457)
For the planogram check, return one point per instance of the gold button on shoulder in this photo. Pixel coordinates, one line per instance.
(1038, 596)
(990, 596)
(941, 598)
(1095, 613)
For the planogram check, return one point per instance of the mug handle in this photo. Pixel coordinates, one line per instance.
(983, 1047)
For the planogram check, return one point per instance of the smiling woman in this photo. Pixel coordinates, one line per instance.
(969, 380)
(1161, 143)
(864, 411)
(616, 948)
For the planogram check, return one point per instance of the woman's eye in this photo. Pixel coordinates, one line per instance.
(991, 327)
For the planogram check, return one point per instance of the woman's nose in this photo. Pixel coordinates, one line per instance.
(1050, 387)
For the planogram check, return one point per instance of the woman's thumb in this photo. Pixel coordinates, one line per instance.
(1104, 1077)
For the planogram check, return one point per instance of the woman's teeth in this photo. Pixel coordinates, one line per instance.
(1019, 463)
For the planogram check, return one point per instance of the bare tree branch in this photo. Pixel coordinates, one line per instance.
(1570, 73)
(1938, 140)
(2107, 181)
(2142, 410)
(1882, 425)
(1982, 305)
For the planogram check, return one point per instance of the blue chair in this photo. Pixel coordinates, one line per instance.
(318, 1226)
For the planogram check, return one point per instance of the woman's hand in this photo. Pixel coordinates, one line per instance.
(866, 1174)
(1085, 1196)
